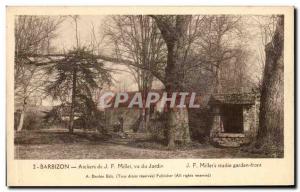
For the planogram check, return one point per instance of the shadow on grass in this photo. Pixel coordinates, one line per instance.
(162, 145)
(48, 145)
(63, 137)
(57, 137)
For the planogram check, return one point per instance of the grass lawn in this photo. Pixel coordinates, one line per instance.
(61, 145)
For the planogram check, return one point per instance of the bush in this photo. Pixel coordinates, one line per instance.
(32, 121)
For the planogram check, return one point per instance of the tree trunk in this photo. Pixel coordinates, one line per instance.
(147, 118)
(174, 34)
(172, 85)
(144, 119)
(21, 120)
(218, 79)
(171, 127)
(22, 116)
(270, 133)
(71, 122)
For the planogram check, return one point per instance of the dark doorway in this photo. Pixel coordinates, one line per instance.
(232, 118)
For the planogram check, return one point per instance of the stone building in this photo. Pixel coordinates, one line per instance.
(234, 119)
(153, 121)
(228, 120)
(132, 116)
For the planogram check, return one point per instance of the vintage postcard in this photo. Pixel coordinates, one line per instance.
(150, 96)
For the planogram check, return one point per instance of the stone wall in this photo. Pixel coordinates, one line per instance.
(250, 125)
(200, 122)
(250, 120)
(130, 116)
(230, 139)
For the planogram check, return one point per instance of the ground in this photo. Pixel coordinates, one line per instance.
(58, 144)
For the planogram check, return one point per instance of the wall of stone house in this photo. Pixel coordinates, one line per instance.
(257, 107)
(216, 118)
(225, 139)
(130, 117)
(200, 122)
(252, 118)
(250, 123)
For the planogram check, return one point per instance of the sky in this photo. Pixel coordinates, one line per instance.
(66, 32)
(66, 40)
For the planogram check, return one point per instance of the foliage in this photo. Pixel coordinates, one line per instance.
(79, 73)
(54, 116)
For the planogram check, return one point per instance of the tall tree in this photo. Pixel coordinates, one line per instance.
(182, 36)
(137, 38)
(270, 132)
(76, 75)
(174, 32)
(33, 35)
(217, 43)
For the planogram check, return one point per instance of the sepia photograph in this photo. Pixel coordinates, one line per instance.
(119, 86)
(159, 96)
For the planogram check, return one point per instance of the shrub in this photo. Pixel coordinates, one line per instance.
(33, 120)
